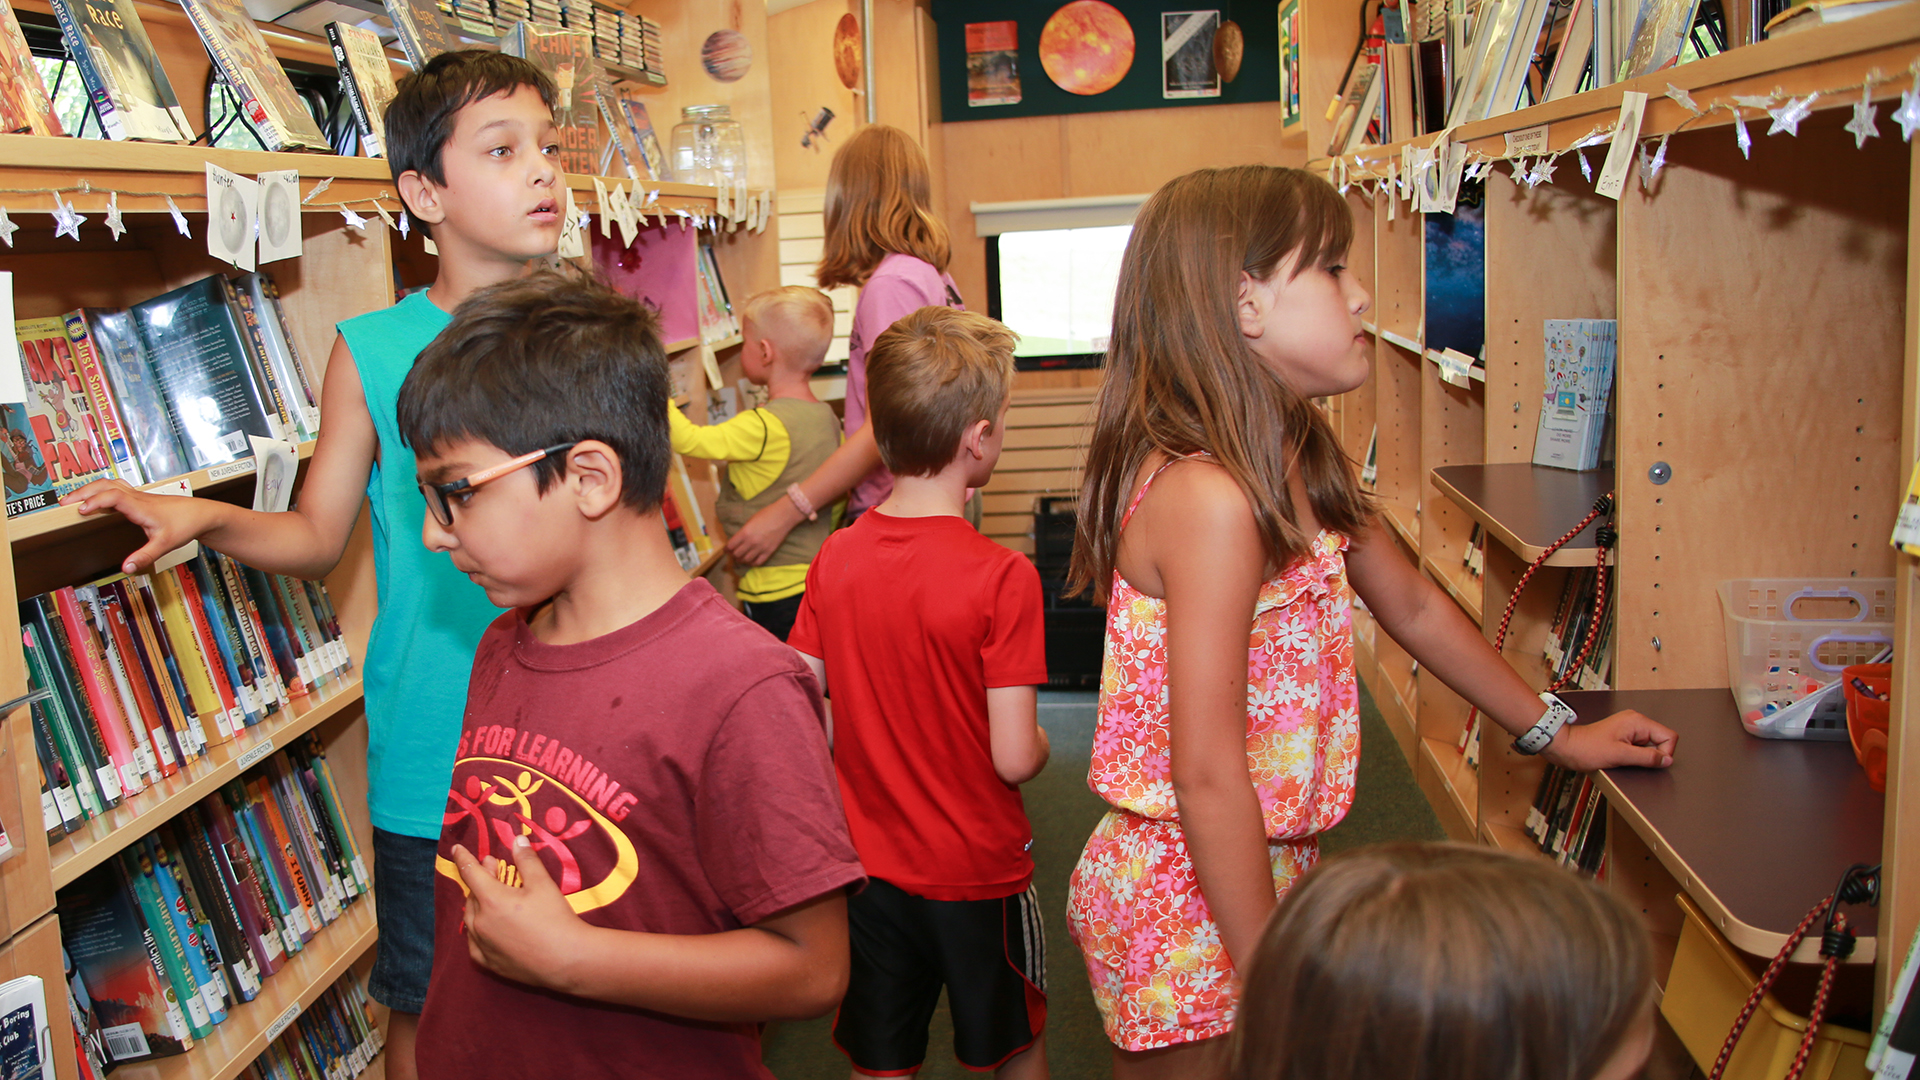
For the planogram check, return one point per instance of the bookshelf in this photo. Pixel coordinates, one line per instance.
(1769, 318)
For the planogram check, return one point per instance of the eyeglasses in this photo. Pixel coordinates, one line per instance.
(437, 494)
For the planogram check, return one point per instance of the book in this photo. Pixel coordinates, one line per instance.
(644, 138)
(153, 448)
(116, 956)
(1814, 13)
(1496, 39)
(1290, 62)
(567, 57)
(253, 342)
(58, 412)
(193, 341)
(27, 478)
(366, 79)
(1658, 36)
(283, 349)
(93, 380)
(25, 105)
(620, 144)
(267, 98)
(26, 1036)
(1401, 112)
(138, 872)
(1574, 59)
(126, 83)
(423, 33)
(75, 637)
(1579, 356)
(1359, 99)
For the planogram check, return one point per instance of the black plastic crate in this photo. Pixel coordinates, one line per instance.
(1053, 524)
(1076, 633)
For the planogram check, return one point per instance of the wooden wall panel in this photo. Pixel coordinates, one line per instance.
(1045, 449)
(800, 67)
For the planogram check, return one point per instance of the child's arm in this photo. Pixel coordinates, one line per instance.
(1018, 742)
(742, 438)
(306, 541)
(789, 966)
(839, 474)
(1430, 626)
(1197, 536)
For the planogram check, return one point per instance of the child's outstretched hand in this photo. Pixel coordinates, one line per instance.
(524, 933)
(1625, 738)
(168, 520)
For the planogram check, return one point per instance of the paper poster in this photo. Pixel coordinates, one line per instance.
(279, 215)
(1626, 136)
(993, 63)
(276, 463)
(233, 202)
(13, 374)
(1186, 54)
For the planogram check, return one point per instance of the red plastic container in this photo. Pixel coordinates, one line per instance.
(1867, 717)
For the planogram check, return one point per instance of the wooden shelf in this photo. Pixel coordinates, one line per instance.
(283, 996)
(1526, 507)
(1402, 340)
(674, 348)
(1369, 328)
(1465, 589)
(1401, 517)
(1393, 707)
(1508, 838)
(99, 839)
(1756, 831)
(63, 523)
(1475, 374)
(1459, 778)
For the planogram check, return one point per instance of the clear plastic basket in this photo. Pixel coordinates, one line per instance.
(1787, 641)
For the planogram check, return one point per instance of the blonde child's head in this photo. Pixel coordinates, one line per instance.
(1183, 375)
(931, 378)
(879, 202)
(790, 326)
(1446, 962)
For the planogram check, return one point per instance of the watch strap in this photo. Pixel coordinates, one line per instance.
(1537, 737)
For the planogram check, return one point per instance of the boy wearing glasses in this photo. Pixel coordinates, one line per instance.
(644, 855)
(473, 149)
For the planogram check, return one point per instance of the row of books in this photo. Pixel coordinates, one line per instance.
(1567, 634)
(173, 384)
(717, 320)
(1568, 818)
(618, 37)
(1576, 393)
(178, 928)
(137, 675)
(336, 1038)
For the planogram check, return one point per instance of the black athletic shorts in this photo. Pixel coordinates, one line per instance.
(989, 954)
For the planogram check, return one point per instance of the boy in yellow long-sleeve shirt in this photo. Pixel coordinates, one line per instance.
(769, 450)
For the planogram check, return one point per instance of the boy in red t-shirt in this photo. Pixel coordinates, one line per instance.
(643, 856)
(930, 637)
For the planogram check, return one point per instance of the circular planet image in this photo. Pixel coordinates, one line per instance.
(726, 55)
(846, 51)
(1086, 47)
(1229, 48)
(233, 219)
(276, 215)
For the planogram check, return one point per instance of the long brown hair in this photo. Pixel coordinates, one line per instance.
(879, 203)
(1180, 377)
(1442, 962)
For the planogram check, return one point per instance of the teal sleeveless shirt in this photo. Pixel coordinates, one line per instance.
(431, 617)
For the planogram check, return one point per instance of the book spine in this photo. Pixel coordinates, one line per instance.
(169, 612)
(77, 766)
(323, 863)
(197, 584)
(63, 666)
(183, 591)
(239, 633)
(303, 633)
(275, 630)
(267, 870)
(236, 871)
(161, 667)
(361, 118)
(61, 806)
(330, 791)
(309, 398)
(185, 922)
(320, 820)
(136, 680)
(252, 628)
(173, 958)
(195, 856)
(247, 321)
(286, 858)
(113, 434)
(125, 733)
(97, 93)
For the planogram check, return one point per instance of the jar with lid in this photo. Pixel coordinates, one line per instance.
(709, 146)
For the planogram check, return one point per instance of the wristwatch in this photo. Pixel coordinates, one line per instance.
(1536, 738)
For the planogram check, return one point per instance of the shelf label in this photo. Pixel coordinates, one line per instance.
(231, 468)
(1530, 141)
(282, 1022)
(255, 754)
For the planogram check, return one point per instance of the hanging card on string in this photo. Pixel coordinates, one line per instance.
(279, 215)
(233, 202)
(1626, 135)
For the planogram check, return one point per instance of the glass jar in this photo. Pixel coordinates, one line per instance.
(709, 146)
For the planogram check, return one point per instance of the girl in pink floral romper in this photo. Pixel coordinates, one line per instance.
(1221, 524)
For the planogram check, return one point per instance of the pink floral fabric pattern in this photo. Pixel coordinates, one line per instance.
(1160, 975)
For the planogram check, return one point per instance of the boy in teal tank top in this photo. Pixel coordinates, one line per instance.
(474, 153)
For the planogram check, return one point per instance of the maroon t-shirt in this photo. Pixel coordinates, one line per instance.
(916, 617)
(674, 777)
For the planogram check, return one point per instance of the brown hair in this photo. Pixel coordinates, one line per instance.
(931, 376)
(1181, 378)
(879, 203)
(1442, 962)
(799, 318)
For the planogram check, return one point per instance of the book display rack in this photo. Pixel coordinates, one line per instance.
(1767, 412)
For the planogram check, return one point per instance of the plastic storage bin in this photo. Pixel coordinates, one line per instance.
(1788, 640)
(1706, 988)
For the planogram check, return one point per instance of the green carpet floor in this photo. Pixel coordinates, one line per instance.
(1388, 806)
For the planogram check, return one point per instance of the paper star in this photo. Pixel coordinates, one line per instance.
(66, 222)
(1543, 171)
(325, 183)
(1519, 170)
(354, 221)
(1742, 136)
(406, 224)
(1908, 114)
(1787, 117)
(114, 224)
(1862, 125)
(1646, 174)
(1586, 167)
(586, 222)
(1659, 162)
(7, 227)
(1756, 101)
(1684, 98)
(179, 219)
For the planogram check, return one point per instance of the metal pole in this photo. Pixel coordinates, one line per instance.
(866, 58)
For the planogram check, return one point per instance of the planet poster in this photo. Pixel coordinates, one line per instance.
(1086, 47)
(847, 58)
(993, 63)
(1186, 54)
(727, 55)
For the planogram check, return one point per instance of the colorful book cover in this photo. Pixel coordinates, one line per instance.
(368, 79)
(25, 106)
(993, 63)
(59, 413)
(193, 341)
(566, 56)
(644, 137)
(124, 76)
(424, 34)
(620, 142)
(267, 97)
(28, 481)
(1187, 69)
(113, 435)
(118, 961)
(142, 409)
(26, 1044)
